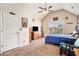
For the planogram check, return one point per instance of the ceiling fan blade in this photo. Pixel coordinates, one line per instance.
(40, 11)
(50, 7)
(50, 10)
(41, 8)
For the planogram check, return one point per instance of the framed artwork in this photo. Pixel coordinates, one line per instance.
(55, 18)
(66, 17)
(33, 20)
(24, 22)
(69, 23)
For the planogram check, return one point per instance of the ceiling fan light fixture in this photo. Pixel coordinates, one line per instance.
(45, 8)
(40, 11)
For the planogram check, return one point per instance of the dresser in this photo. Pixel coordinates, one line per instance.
(34, 35)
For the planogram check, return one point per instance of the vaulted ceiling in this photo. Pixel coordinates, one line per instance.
(32, 9)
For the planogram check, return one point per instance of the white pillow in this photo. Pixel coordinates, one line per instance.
(77, 43)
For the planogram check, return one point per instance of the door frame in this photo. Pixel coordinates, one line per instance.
(1, 13)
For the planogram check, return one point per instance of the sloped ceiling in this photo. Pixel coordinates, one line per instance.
(32, 8)
(71, 7)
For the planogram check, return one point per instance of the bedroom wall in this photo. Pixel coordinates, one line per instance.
(26, 12)
(68, 28)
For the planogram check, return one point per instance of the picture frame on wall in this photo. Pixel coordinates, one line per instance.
(55, 18)
(24, 22)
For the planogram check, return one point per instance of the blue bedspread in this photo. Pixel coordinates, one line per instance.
(57, 39)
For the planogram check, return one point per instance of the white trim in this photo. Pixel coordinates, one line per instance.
(1, 29)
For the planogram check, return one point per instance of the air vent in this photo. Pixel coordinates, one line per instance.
(12, 13)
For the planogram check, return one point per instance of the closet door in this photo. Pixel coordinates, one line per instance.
(0, 30)
(10, 31)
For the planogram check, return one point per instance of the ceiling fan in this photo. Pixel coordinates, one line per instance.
(45, 8)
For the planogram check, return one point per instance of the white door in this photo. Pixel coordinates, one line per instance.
(0, 29)
(10, 31)
(0, 32)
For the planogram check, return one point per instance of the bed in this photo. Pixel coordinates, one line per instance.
(58, 38)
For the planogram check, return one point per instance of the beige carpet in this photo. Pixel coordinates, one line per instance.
(36, 48)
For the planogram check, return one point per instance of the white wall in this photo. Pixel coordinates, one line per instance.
(26, 12)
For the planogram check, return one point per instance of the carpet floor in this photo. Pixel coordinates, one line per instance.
(36, 48)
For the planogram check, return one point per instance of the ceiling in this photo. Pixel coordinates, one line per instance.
(32, 8)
